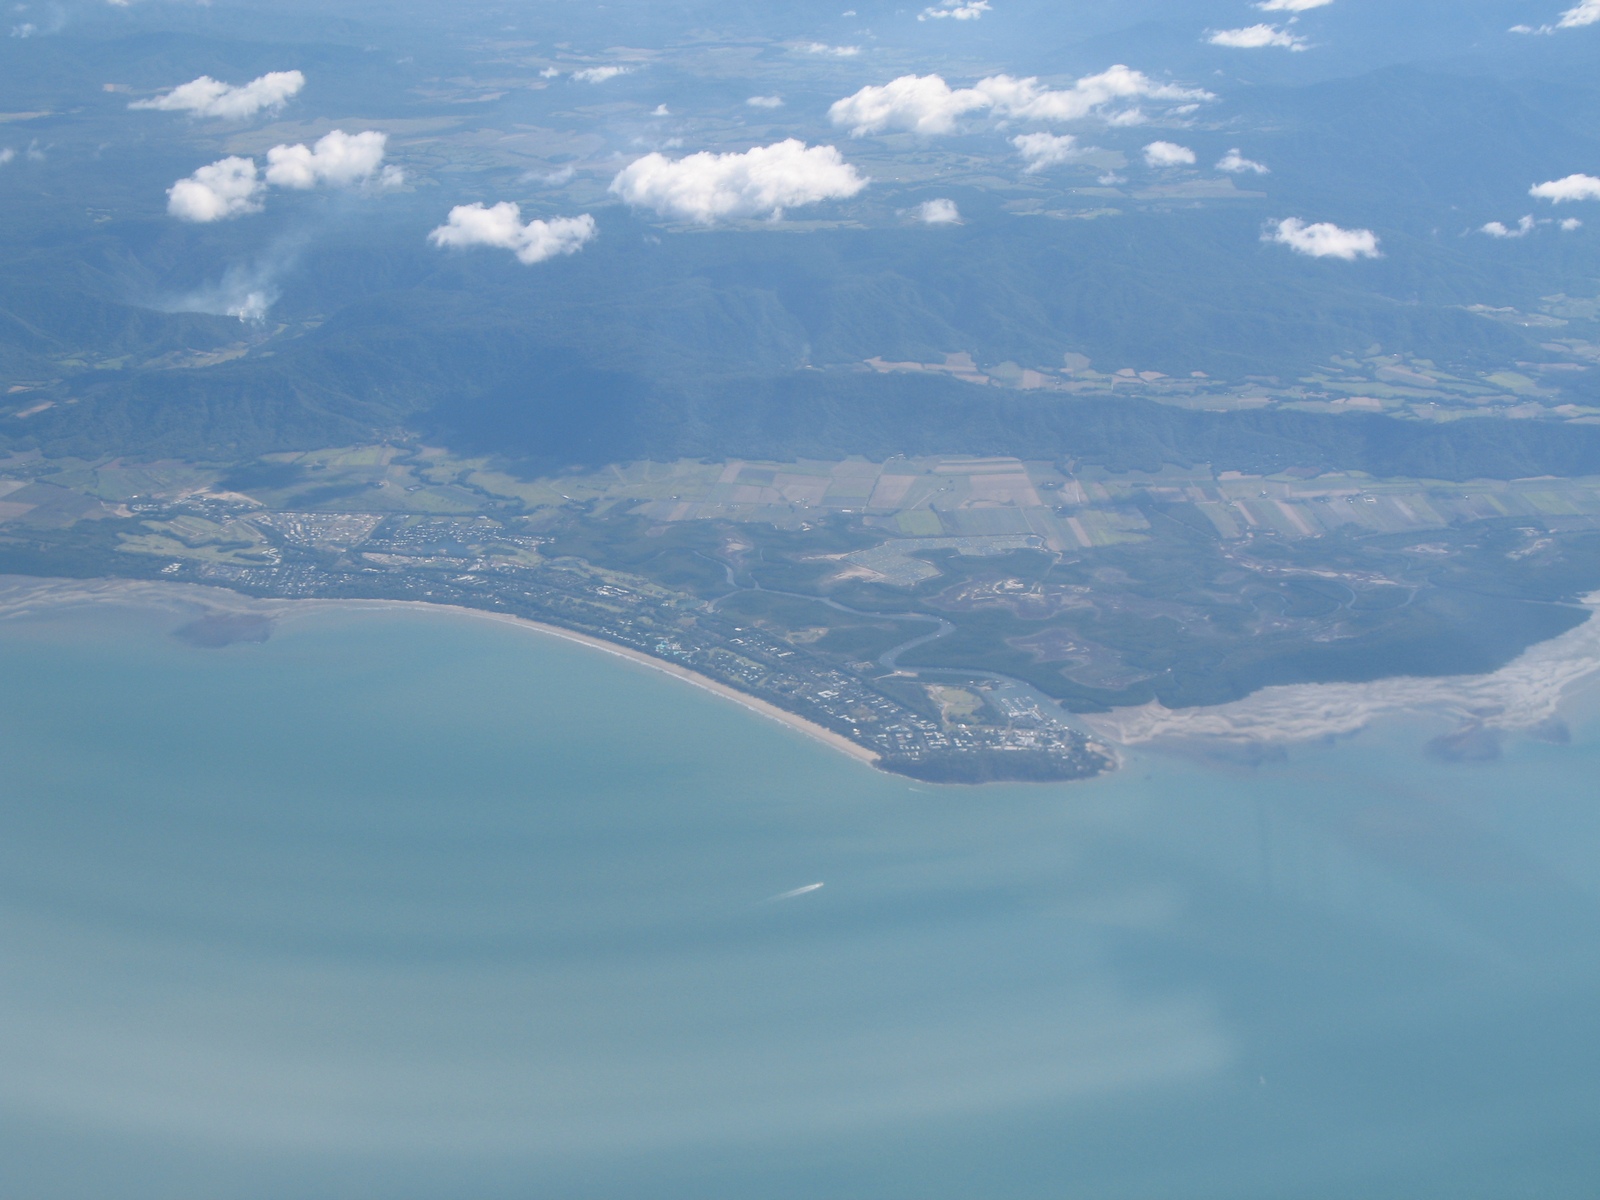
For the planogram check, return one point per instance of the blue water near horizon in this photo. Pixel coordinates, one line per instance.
(410, 904)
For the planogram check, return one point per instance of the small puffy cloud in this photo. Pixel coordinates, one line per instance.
(233, 187)
(53, 16)
(208, 97)
(560, 177)
(830, 51)
(599, 74)
(230, 187)
(1042, 150)
(501, 226)
(919, 103)
(1254, 37)
(765, 102)
(1526, 225)
(762, 181)
(1521, 229)
(338, 159)
(938, 212)
(1585, 12)
(1323, 240)
(1235, 163)
(1024, 98)
(1293, 6)
(926, 104)
(6, 155)
(1573, 187)
(955, 10)
(1168, 154)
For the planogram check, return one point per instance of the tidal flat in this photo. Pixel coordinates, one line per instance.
(405, 902)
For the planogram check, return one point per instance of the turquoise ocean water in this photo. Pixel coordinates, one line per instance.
(411, 905)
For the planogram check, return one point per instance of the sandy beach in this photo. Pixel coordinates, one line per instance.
(25, 595)
(754, 704)
(1522, 694)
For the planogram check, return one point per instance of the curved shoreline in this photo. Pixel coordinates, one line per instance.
(1520, 695)
(22, 595)
(753, 703)
(1526, 691)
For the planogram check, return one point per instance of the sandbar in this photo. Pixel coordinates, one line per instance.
(1524, 693)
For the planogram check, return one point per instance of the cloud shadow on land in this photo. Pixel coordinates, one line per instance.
(557, 412)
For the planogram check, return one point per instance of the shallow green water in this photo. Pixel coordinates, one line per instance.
(411, 905)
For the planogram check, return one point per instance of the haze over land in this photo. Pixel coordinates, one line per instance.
(691, 600)
(1177, 283)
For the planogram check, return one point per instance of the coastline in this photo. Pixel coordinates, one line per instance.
(753, 703)
(22, 595)
(1527, 691)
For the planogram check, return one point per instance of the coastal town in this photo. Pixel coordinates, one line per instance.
(1013, 735)
(952, 618)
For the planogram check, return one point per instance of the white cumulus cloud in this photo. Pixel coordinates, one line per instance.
(919, 103)
(560, 177)
(765, 102)
(762, 181)
(830, 51)
(6, 155)
(1573, 187)
(208, 97)
(1237, 164)
(957, 10)
(1042, 150)
(1254, 37)
(599, 74)
(1585, 12)
(1168, 154)
(1521, 229)
(338, 159)
(1024, 98)
(230, 187)
(1323, 240)
(926, 104)
(1294, 6)
(234, 186)
(1526, 225)
(938, 212)
(501, 226)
